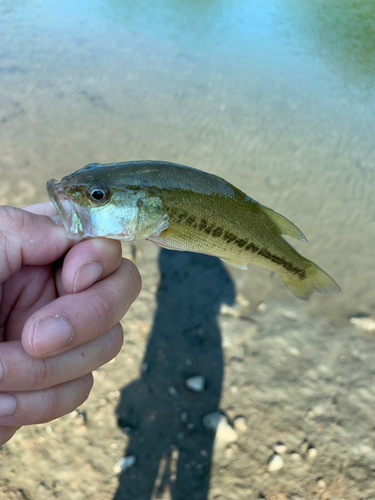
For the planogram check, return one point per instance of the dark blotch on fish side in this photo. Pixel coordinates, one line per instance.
(229, 237)
(240, 242)
(190, 220)
(217, 232)
(202, 224)
(182, 216)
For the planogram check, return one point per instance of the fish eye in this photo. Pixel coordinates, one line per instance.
(98, 194)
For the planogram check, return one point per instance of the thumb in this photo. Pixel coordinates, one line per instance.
(28, 239)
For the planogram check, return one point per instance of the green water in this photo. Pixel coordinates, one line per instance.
(277, 97)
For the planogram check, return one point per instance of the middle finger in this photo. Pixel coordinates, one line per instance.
(75, 319)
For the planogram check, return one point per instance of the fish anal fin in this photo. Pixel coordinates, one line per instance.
(234, 263)
(284, 225)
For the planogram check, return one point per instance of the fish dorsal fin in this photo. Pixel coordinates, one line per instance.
(284, 225)
(234, 263)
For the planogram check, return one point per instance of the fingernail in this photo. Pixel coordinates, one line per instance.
(87, 275)
(51, 334)
(7, 405)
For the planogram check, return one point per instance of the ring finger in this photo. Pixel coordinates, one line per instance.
(25, 408)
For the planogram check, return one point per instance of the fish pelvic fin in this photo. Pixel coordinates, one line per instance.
(284, 225)
(316, 280)
(234, 263)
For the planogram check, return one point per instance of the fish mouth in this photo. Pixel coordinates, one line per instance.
(76, 219)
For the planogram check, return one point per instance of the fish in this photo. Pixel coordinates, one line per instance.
(183, 208)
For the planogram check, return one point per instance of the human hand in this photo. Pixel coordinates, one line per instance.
(57, 321)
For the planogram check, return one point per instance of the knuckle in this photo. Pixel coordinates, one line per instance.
(101, 312)
(41, 373)
(12, 222)
(53, 407)
(46, 371)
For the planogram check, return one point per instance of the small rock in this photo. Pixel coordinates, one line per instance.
(184, 417)
(196, 383)
(295, 456)
(364, 322)
(172, 392)
(218, 423)
(239, 424)
(276, 463)
(242, 300)
(212, 420)
(312, 453)
(304, 447)
(261, 307)
(226, 310)
(124, 463)
(288, 314)
(279, 447)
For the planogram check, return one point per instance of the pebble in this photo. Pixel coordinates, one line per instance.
(366, 323)
(196, 383)
(172, 392)
(295, 456)
(184, 417)
(124, 463)
(276, 463)
(312, 453)
(226, 310)
(239, 424)
(279, 447)
(218, 423)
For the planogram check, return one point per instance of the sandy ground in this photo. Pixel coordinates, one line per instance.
(296, 398)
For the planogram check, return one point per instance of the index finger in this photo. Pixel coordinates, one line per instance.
(29, 239)
(45, 208)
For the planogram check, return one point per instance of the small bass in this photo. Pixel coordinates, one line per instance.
(182, 208)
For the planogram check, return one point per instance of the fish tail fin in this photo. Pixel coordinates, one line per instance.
(314, 280)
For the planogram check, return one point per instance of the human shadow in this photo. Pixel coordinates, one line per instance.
(162, 416)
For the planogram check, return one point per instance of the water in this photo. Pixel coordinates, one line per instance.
(277, 97)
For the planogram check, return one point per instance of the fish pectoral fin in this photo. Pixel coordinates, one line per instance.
(234, 263)
(284, 225)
